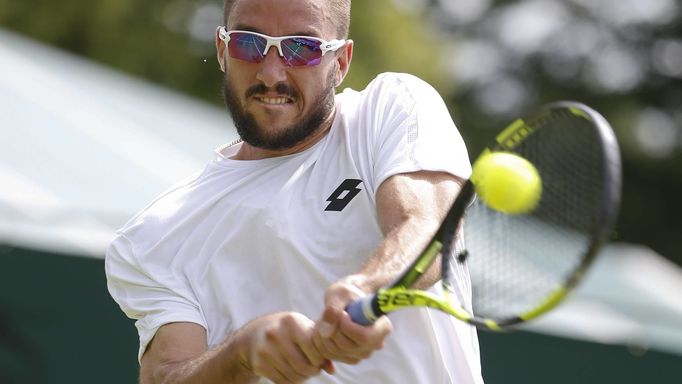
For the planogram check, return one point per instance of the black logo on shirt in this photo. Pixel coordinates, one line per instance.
(343, 195)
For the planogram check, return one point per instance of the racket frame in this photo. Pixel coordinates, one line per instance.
(399, 295)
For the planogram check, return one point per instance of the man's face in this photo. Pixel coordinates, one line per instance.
(275, 106)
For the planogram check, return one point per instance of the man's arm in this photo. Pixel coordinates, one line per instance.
(410, 208)
(276, 346)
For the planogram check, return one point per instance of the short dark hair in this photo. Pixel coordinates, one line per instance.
(340, 11)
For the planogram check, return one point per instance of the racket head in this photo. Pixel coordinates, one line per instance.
(501, 269)
(523, 265)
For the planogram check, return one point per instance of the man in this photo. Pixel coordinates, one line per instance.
(242, 273)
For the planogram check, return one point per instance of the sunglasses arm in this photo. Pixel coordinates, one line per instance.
(332, 45)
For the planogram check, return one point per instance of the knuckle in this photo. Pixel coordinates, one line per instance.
(289, 319)
(272, 335)
(261, 354)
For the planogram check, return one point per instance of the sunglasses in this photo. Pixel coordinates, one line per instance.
(296, 51)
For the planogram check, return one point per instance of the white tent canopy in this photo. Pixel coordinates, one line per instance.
(630, 296)
(83, 148)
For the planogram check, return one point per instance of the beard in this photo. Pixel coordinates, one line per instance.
(257, 136)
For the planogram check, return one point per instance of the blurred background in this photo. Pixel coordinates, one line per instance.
(104, 104)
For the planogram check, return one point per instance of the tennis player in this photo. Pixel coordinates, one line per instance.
(241, 274)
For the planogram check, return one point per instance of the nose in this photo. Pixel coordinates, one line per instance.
(272, 69)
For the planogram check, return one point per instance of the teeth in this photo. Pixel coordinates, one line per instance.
(274, 100)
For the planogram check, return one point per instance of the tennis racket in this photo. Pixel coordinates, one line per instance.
(519, 265)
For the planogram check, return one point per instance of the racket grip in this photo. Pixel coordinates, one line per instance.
(362, 310)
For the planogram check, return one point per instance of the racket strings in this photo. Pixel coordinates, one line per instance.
(517, 261)
(456, 281)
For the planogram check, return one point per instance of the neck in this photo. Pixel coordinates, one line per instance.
(249, 152)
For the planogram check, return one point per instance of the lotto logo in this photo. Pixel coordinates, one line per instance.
(340, 198)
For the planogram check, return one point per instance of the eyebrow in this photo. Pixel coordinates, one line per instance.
(244, 27)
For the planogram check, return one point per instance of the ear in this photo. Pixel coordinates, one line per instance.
(344, 58)
(220, 49)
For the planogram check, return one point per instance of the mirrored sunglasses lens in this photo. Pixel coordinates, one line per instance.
(246, 46)
(301, 52)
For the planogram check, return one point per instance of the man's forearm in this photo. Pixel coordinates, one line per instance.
(208, 368)
(410, 209)
(277, 346)
(395, 254)
(225, 363)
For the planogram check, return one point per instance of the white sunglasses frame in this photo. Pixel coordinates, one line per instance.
(325, 46)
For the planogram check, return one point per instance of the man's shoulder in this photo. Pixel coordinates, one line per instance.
(168, 206)
(397, 82)
(392, 86)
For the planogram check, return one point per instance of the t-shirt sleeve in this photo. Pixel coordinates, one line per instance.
(151, 294)
(412, 129)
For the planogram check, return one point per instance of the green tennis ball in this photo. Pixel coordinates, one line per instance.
(507, 182)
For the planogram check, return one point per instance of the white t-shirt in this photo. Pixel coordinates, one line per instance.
(247, 238)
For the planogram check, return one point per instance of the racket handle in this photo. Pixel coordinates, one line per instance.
(362, 310)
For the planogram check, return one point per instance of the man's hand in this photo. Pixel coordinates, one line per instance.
(280, 347)
(336, 336)
(410, 208)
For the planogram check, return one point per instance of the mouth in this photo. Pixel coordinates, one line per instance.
(279, 100)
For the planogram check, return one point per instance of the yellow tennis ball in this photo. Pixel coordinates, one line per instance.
(507, 182)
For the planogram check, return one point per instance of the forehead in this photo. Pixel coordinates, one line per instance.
(282, 17)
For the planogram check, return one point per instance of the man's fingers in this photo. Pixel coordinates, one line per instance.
(297, 366)
(371, 337)
(328, 324)
(310, 351)
(340, 348)
(336, 336)
(283, 351)
(350, 342)
(340, 294)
